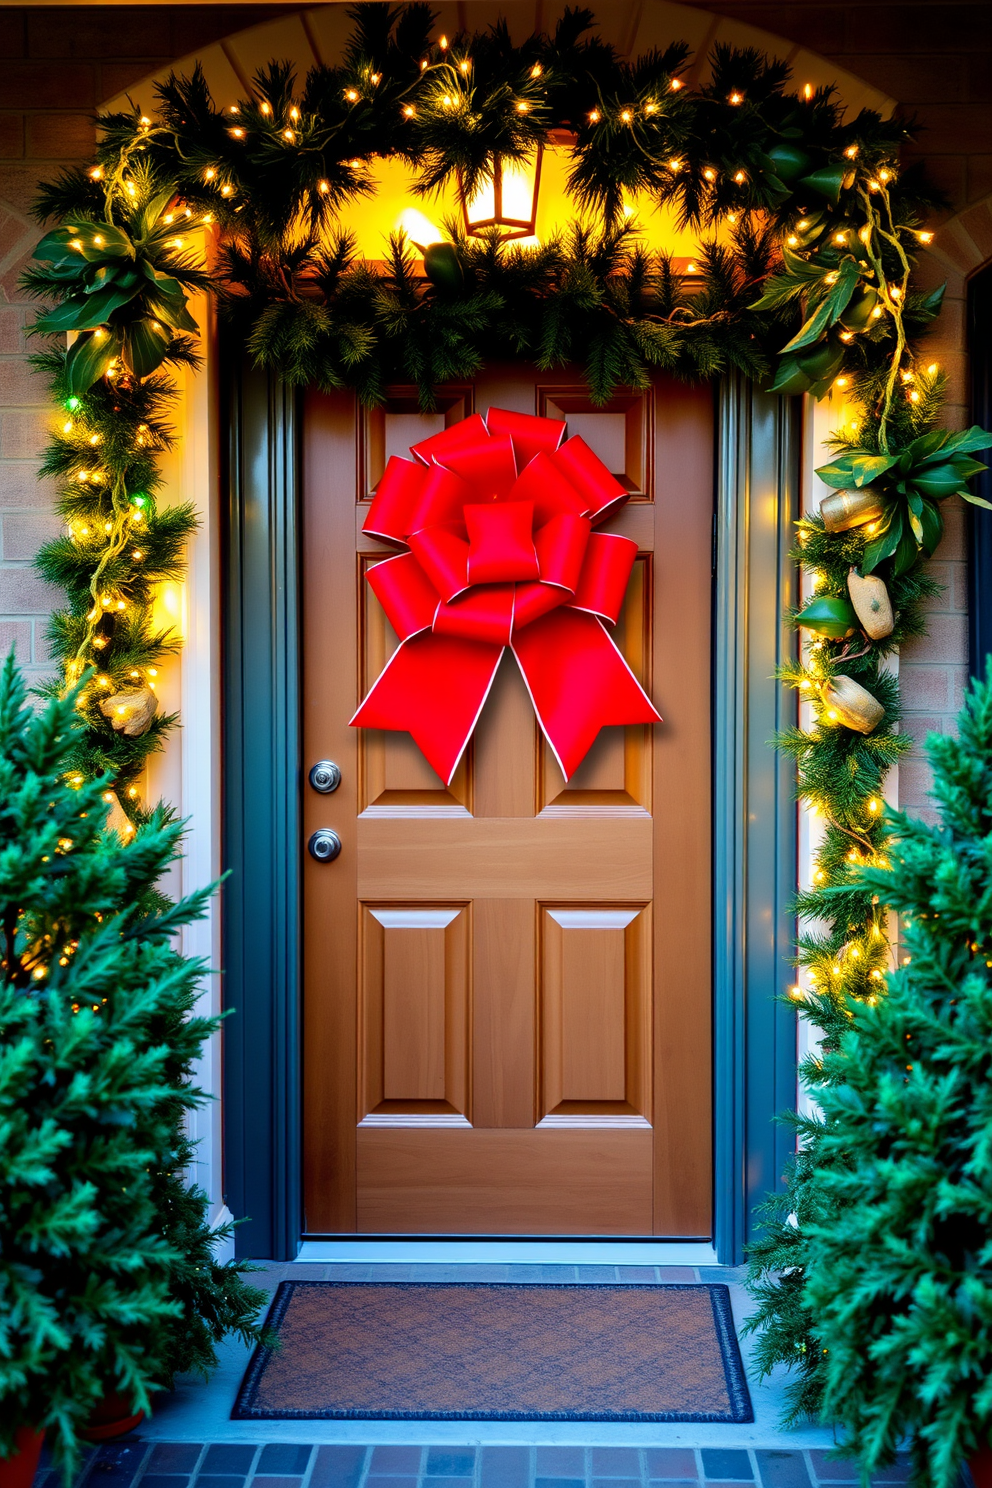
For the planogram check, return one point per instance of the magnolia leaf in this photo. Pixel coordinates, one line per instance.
(145, 346)
(967, 468)
(830, 309)
(933, 526)
(84, 242)
(800, 268)
(974, 438)
(828, 615)
(152, 211)
(937, 480)
(884, 544)
(867, 468)
(838, 473)
(89, 357)
(84, 312)
(789, 379)
(929, 307)
(917, 527)
(906, 553)
(975, 500)
(915, 502)
(927, 447)
(176, 316)
(827, 181)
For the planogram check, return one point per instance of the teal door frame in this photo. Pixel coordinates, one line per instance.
(754, 1058)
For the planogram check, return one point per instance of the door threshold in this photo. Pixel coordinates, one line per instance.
(509, 1252)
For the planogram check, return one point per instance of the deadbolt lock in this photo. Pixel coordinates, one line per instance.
(325, 776)
(324, 845)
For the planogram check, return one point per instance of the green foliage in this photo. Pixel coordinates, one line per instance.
(899, 1261)
(104, 455)
(911, 478)
(595, 299)
(107, 1275)
(276, 170)
(122, 288)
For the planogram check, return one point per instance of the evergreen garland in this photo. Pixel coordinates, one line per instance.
(898, 1266)
(805, 278)
(108, 1282)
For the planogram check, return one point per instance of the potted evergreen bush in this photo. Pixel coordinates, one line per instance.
(108, 1281)
(899, 1268)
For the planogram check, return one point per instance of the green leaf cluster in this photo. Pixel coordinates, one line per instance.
(899, 1259)
(121, 289)
(108, 1281)
(911, 479)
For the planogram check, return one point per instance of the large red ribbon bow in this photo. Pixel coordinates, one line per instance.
(497, 515)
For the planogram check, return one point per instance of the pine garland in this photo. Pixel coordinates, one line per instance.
(805, 279)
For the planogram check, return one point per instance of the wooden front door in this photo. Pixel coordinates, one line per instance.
(507, 981)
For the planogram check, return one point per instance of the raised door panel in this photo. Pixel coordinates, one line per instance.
(414, 1000)
(595, 1016)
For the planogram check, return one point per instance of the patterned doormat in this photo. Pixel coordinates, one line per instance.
(496, 1351)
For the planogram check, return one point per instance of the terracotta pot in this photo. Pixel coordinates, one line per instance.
(981, 1468)
(19, 1470)
(114, 1416)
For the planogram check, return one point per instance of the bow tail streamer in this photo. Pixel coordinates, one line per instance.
(578, 682)
(434, 687)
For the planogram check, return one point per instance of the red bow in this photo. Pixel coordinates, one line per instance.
(498, 517)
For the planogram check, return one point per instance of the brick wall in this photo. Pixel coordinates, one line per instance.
(59, 64)
(56, 66)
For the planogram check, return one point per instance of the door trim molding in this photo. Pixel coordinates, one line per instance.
(757, 476)
(754, 809)
(261, 918)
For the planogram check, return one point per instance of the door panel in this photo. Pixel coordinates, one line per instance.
(507, 980)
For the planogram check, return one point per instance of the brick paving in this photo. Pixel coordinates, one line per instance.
(141, 1464)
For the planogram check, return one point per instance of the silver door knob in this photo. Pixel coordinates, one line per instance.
(324, 845)
(325, 776)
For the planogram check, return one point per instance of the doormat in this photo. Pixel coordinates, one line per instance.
(497, 1351)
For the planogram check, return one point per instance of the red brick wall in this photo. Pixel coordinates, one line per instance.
(58, 64)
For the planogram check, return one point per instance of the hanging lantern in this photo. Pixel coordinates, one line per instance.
(508, 200)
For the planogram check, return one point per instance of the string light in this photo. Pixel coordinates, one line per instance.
(807, 91)
(736, 98)
(676, 84)
(925, 237)
(594, 117)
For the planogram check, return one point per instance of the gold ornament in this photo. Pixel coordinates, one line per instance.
(131, 711)
(853, 704)
(872, 604)
(845, 509)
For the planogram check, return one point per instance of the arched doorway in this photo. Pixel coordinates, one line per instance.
(268, 633)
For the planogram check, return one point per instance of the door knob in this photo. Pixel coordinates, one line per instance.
(324, 845)
(325, 776)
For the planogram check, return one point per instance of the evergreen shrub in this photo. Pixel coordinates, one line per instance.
(108, 1279)
(899, 1233)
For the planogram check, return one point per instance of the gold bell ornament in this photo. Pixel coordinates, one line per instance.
(872, 604)
(842, 510)
(131, 711)
(853, 704)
